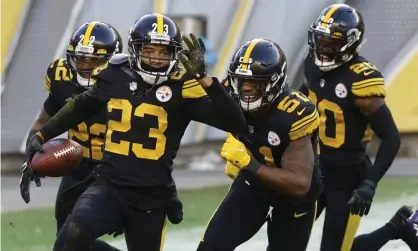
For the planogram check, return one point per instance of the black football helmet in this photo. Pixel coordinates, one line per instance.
(336, 36)
(91, 45)
(154, 29)
(263, 63)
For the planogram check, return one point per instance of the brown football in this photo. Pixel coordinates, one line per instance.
(60, 158)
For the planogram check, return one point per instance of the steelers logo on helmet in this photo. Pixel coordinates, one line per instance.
(257, 74)
(91, 46)
(154, 42)
(336, 36)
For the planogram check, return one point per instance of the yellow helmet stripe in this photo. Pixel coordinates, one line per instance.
(160, 24)
(88, 32)
(247, 53)
(329, 14)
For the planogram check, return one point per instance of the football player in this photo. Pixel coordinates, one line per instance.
(91, 45)
(403, 225)
(278, 182)
(349, 93)
(149, 102)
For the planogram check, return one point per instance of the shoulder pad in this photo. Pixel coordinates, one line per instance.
(368, 81)
(119, 59)
(302, 113)
(57, 71)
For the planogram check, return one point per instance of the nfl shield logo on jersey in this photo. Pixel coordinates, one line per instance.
(133, 86)
(341, 90)
(163, 94)
(273, 138)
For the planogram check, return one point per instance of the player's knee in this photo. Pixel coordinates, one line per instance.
(204, 247)
(79, 237)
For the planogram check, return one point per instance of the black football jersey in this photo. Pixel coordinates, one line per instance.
(343, 131)
(145, 124)
(90, 133)
(293, 117)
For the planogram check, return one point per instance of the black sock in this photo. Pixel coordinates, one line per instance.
(375, 240)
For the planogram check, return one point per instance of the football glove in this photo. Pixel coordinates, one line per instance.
(362, 198)
(235, 151)
(231, 170)
(193, 59)
(174, 210)
(34, 145)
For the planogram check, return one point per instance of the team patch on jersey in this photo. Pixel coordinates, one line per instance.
(164, 94)
(273, 138)
(341, 90)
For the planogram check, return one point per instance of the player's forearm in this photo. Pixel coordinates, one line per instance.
(226, 108)
(74, 112)
(285, 181)
(42, 118)
(385, 128)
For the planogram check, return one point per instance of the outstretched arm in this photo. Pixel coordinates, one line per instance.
(218, 109)
(74, 112)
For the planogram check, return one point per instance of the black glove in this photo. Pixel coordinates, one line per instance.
(193, 59)
(33, 145)
(174, 210)
(362, 198)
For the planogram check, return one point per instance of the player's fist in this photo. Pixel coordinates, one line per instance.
(235, 151)
(231, 170)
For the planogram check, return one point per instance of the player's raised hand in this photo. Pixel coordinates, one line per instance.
(193, 59)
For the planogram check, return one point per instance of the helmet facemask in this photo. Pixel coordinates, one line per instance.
(84, 64)
(255, 92)
(331, 51)
(154, 60)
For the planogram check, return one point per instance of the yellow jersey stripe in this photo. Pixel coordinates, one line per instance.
(190, 86)
(160, 24)
(88, 32)
(305, 130)
(304, 118)
(355, 84)
(307, 122)
(189, 83)
(247, 54)
(329, 14)
(367, 85)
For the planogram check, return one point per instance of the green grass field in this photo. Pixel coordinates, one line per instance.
(25, 230)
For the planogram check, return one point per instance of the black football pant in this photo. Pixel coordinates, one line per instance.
(63, 210)
(98, 211)
(244, 211)
(340, 226)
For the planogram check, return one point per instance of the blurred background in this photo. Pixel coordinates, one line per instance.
(36, 32)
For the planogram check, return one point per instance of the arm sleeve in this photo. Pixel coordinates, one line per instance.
(305, 124)
(76, 111)
(218, 109)
(371, 86)
(385, 128)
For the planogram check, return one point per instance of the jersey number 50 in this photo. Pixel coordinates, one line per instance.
(124, 125)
